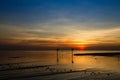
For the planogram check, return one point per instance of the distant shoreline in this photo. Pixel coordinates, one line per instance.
(98, 54)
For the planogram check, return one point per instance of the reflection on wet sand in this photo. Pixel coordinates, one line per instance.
(72, 54)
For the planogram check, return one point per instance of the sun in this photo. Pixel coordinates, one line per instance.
(82, 47)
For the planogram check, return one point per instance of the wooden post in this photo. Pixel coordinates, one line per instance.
(57, 56)
(72, 55)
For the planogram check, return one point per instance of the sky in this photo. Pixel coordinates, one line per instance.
(50, 24)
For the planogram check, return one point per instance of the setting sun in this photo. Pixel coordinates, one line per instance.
(82, 47)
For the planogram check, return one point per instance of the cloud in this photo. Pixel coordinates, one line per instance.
(95, 36)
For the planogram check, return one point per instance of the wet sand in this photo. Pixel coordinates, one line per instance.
(51, 72)
(76, 75)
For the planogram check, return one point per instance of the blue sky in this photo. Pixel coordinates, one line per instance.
(83, 21)
(40, 11)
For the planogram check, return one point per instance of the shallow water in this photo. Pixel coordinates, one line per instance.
(19, 62)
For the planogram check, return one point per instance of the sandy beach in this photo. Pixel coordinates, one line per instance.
(52, 73)
(77, 75)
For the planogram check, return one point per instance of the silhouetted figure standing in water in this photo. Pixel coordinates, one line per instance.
(72, 55)
(57, 55)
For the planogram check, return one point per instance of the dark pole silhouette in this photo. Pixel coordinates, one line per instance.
(118, 59)
(57, 56)
(72, 55)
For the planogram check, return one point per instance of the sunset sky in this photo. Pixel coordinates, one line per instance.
(50, 24)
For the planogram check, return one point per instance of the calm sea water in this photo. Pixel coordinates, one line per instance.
(11, 60)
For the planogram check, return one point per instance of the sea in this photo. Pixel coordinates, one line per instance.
(15, 65)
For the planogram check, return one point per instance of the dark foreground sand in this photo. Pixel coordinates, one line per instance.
(52, 73)
(77, 76)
